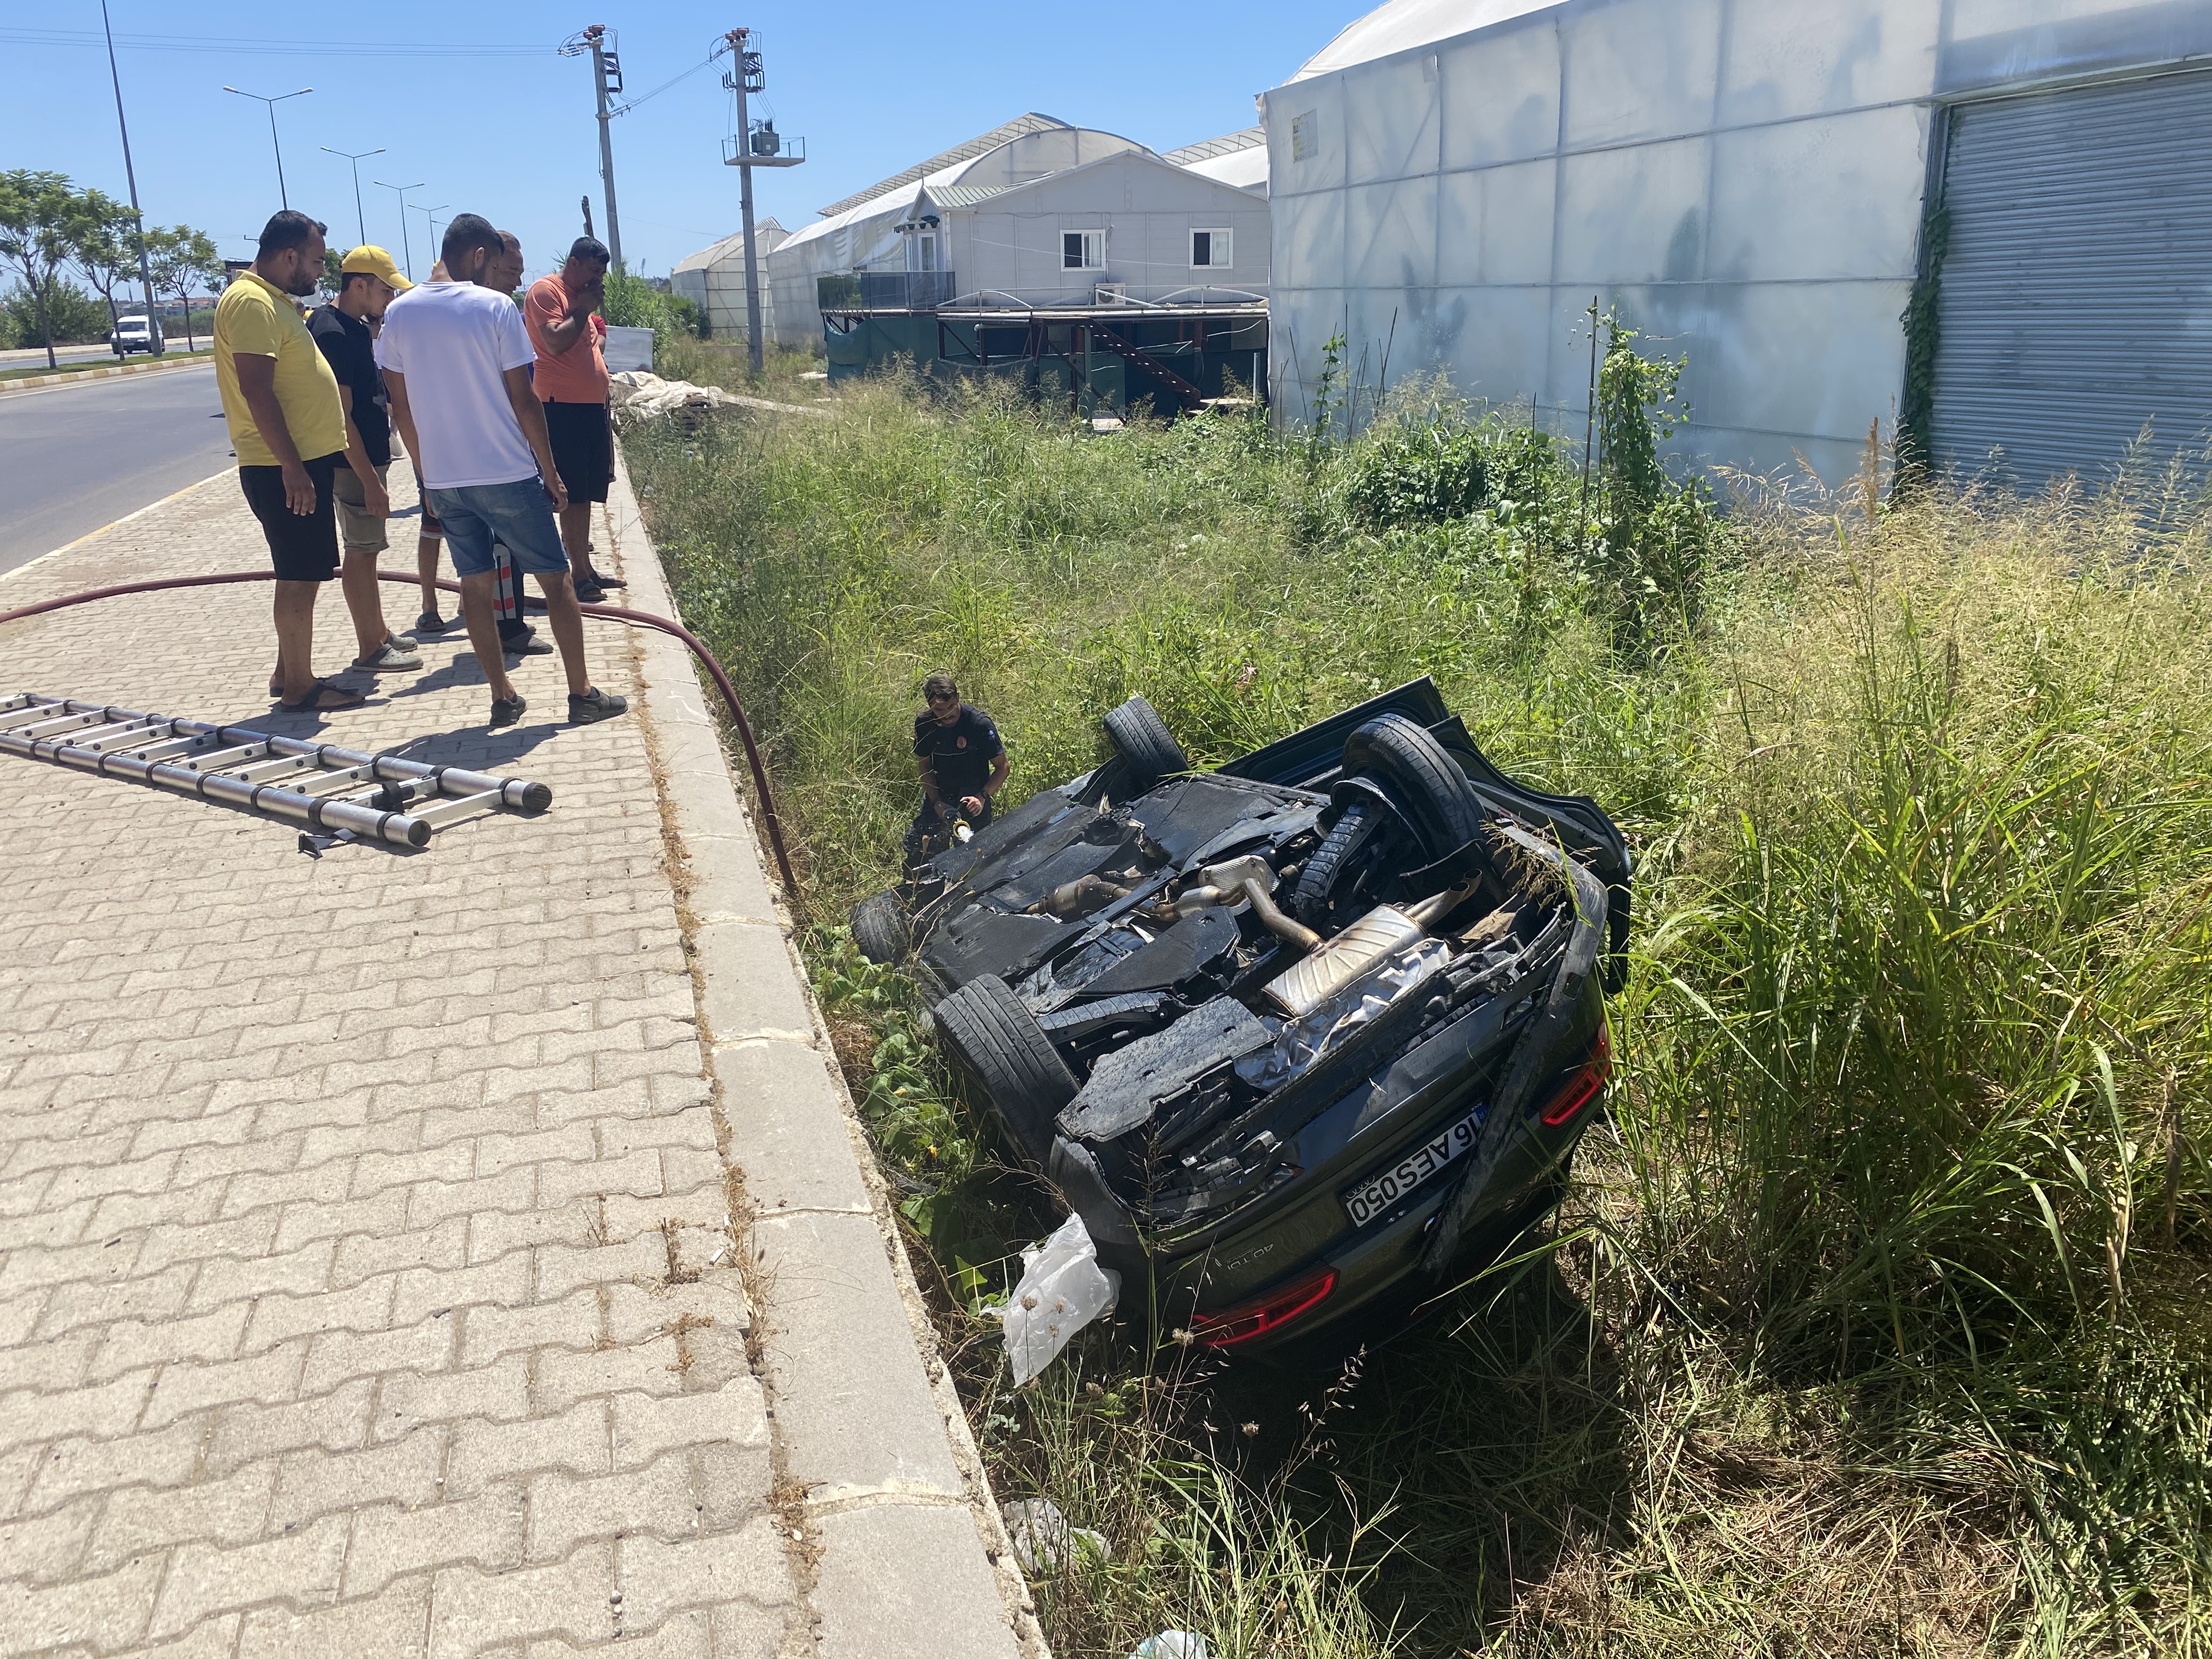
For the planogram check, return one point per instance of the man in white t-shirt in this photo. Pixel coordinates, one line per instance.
(456, 360)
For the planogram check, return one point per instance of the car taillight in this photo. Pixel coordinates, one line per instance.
(1224, 1330)
(1583, 1087)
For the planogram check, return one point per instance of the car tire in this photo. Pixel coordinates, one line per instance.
(1147, 749)
(1421, 778)
(1338, 856)
(881, 928)
(995, 1039)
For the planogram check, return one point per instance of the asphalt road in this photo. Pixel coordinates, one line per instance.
(74, 458)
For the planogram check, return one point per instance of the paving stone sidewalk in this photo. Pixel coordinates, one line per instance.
(370, 1279)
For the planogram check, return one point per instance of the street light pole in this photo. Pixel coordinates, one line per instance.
(131, 178)
(431, 223)
(406, 252)
(283, 199)
(361, 220)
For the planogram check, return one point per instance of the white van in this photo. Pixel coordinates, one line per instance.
(136, 334)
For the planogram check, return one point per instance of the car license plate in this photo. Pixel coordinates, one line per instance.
(1367, 1201)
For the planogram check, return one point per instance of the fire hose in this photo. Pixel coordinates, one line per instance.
(613, 613)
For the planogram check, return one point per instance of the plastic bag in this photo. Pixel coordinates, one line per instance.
(1043, 1540)
(1062, 1290)
(1173, 1644)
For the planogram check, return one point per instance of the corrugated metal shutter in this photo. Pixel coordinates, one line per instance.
(2077, 290)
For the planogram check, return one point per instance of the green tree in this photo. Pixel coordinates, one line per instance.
(72, 316)
(105, 247)
(181, 258)
(41, 218)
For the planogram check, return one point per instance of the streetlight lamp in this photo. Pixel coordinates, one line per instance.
(361, 220)
(282, 198)
(406, 252)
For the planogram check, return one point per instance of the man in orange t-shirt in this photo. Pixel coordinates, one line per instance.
(571, 380)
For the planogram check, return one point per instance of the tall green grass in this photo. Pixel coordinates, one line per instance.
(1875, 1323)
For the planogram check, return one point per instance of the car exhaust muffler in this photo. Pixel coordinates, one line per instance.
(1386, 929)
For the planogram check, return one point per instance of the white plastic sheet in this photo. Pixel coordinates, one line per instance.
(1063, 1289)
(1043, 1540)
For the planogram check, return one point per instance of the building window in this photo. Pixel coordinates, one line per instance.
(1083, 250)
(1212, 250)
(1305, 136)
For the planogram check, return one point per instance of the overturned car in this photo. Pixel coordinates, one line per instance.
(1303, 1040)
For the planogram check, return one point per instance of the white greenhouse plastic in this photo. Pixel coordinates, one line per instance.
(1454, 180)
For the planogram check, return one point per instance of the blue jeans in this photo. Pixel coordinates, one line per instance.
(518, 515)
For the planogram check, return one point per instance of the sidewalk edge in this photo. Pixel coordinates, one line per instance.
(808, 1180)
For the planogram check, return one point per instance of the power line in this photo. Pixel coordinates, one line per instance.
(266, 47)
(704, 63)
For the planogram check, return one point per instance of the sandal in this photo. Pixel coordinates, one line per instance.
(312, 703)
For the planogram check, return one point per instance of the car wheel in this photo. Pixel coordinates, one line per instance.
(1421, 778)
(1147, 749)
(881, 929)
(997, 1042)
(1334, 871)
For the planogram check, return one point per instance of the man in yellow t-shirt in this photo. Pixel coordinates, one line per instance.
(288, 427)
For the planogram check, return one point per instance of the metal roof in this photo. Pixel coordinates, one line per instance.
(1206, 148)
(965, 195)
(977, 146)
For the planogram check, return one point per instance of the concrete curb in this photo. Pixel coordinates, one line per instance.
(901, 1549)
(33, 382)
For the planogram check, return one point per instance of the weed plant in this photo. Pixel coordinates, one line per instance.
(1875, 1323)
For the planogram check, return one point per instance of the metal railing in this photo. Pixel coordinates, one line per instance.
(884, 290)
(767, 149)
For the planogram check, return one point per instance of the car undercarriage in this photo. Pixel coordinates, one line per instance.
(1304, 1039)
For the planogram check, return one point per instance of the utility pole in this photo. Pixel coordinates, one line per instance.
(406, 252)
(282, 198)
(747, 76)
(131, 178)
(607, 77)
(746, 151)
(360, 219)
(588, 231)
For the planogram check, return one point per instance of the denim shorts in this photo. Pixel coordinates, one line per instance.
(519, 516)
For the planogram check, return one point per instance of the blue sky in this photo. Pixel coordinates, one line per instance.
(872, 88)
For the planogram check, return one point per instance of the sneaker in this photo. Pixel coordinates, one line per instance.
(504, 711)
(388, 658)
(525, 643)
(595, 705)
(431, 622)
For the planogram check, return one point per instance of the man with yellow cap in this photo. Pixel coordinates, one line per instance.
(368, 281)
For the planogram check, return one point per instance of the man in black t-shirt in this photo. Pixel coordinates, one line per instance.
(367, 283)
(963, 762)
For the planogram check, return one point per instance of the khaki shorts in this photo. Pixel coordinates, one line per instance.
(356, 530)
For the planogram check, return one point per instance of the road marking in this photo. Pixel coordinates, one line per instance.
(228, 472)
(97, 377)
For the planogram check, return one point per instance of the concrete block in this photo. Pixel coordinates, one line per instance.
(788, 1130)
(727, 882)
(905, 1582)
(854, 1403)
(751, 987)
